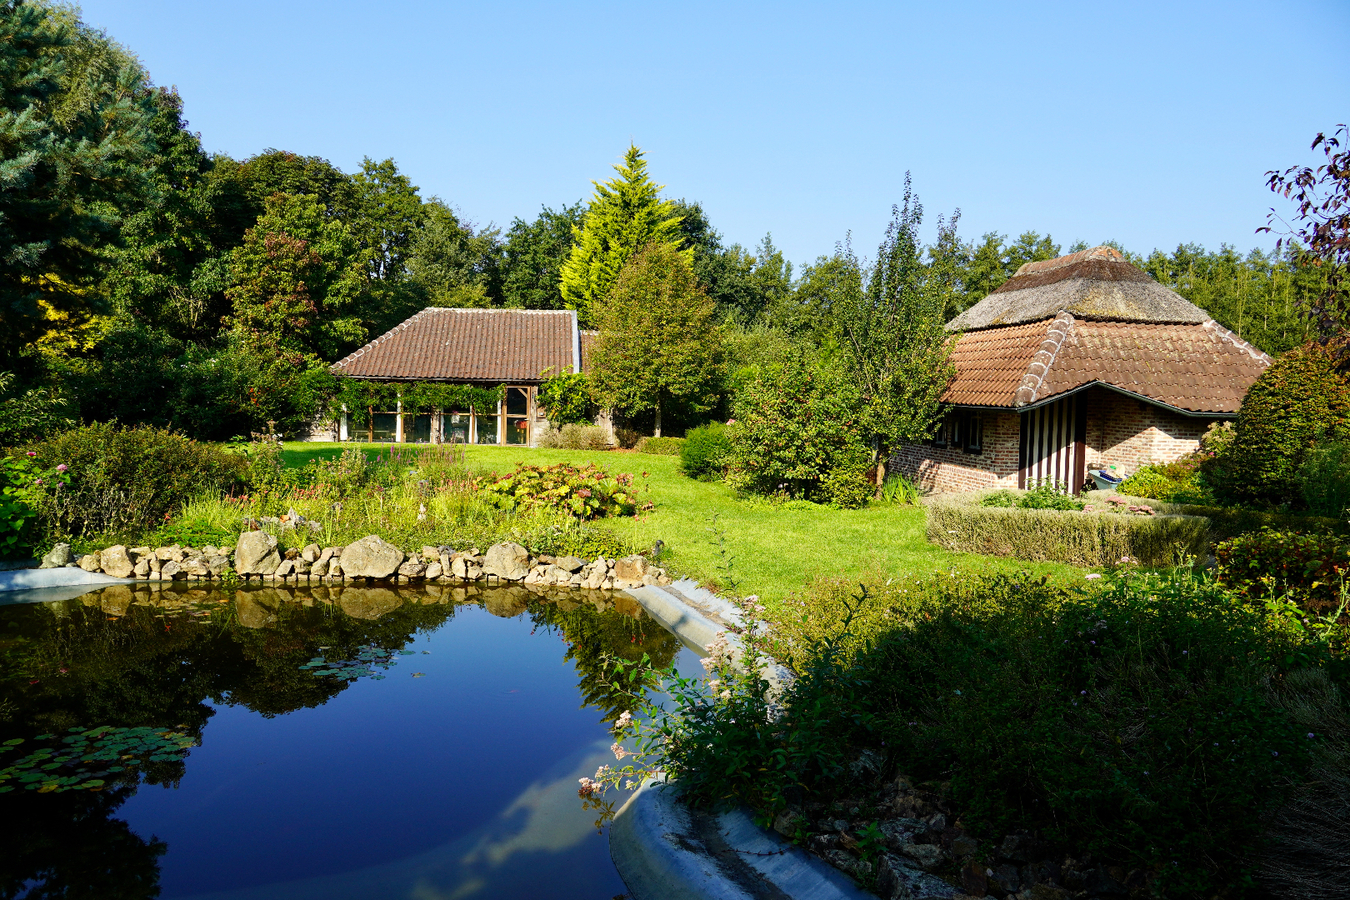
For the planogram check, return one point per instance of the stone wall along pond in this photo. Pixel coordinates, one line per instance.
(256, 557)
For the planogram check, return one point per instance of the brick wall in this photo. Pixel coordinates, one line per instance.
(949, 469)
(1128, 433)
(1121, 432)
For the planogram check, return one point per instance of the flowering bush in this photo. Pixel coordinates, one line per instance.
(22, 481)
(1175, 482)
(1309, 569)
(586, 492)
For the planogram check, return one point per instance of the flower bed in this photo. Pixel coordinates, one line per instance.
(1101, 534)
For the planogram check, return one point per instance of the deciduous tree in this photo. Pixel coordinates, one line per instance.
(534, 255)
(659, 340)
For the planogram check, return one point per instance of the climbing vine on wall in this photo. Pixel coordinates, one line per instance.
(362, 397)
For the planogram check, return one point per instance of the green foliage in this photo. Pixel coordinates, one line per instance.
(451, 265)
(76, 131)
(297, 277)
(1048, 495)
(1086, 538)
(890, 326)
(86, 760)
(660, 446)
(1174, 482)
(534, 255)
(625, 216)
(32, 414)
(361, 398)
(1309, 569)
(567, 399)
(705, 451)
(796, 435)
(126, 478)
(22, 483)
(586, 492)
(899, 489)
(1324, 479)
(658, 344)
(1301, 400)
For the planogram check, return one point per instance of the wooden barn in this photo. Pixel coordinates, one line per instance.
(1076, 363)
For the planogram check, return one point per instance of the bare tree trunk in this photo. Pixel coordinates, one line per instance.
(881, 470)
(657, 431)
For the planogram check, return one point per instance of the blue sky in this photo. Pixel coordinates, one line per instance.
(1147, 123)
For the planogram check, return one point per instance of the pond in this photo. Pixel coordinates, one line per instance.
(311, 743)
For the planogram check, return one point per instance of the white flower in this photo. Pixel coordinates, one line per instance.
(625, 719)
(726, 695)
(1092, 576)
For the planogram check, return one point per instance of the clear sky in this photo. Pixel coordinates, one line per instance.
(1148, 123)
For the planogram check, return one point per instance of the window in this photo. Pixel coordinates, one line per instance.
(517, 415)
(383, 427)
(454, 427)
(974, 433)
(421, 429)
(485, 429)
(961, 430)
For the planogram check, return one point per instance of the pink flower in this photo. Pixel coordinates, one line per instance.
(32, 453)
(62, 467)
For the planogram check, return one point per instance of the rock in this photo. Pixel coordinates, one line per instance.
(291, 554)
(434, 570)
(142, 568)
(369, 603)
(459, 567)
(413, 569)
(964, 845)
(1099, 881)
(174, 553)
(570, 563)
(928, 856)
(171, 569)
(287, 567)
(114, 562)
(320, 568)
(1046, 892)
(256, 609)
(1017, 848)
(371, 557)
(785, 823)
(56, 557)
(848, 864)
(630, 568)
(431, 554)
(90, 562)
(195, 567)
(216, 564)
(310, 554)
(328, 553)
(898, 881)
(508, 561)
(155, 563)
(974, 881)
(256, 554)
(191, 553)
(210, 550)
(1006, 877)
(900, 832)
(115, 600)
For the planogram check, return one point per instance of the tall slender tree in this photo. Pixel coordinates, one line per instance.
(626, 214)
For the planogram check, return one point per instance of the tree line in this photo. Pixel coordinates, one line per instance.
(147, 280)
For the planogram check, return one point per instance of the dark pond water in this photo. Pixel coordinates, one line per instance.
(430, 750)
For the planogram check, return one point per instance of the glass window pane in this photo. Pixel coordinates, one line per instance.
(517, 430)
(421, 430)
(385, 426)
(485, 430)
(517, 401)
(455, 427)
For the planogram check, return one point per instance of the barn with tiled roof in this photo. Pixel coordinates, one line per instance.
(1077, 363)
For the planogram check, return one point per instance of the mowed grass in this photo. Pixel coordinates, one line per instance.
(771, 551)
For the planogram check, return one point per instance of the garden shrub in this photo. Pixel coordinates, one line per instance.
(127, 479)
(1048, 495)
(796, 435)
(1303, 399)
(1324, 479)
(704, 452)
(566, 398)
(22, 483)
(1079, 538)
(660, 446)
(1175, 482)
(626, 437)
(1311, 569)
(575, 437)
(586, 492)
(1134, 721)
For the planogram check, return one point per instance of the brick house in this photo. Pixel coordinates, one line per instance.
(513, 348)
(1077, 363)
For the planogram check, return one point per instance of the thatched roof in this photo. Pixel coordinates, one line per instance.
(1096, 284)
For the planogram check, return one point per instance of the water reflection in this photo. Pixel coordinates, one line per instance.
(134, 655)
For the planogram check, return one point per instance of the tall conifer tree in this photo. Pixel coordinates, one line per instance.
(626, 214)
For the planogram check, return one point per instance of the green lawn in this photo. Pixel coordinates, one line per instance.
(773, 551)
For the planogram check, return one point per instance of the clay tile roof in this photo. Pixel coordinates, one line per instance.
(1091, 284)
(484, 345)
(1196, 368)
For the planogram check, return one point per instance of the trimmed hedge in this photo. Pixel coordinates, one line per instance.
(1076, 538)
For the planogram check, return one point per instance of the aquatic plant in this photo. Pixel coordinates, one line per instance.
(364, 663)
(83, 759)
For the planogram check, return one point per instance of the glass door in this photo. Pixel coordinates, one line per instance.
(517, 415)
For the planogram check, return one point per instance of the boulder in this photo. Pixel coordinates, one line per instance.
(311, 553)
(171, 569)
(459, 567)
(217, 564)
(434, 570)
(90, 562)
(431, 554)
(412, 569)
(256, 554)
(320, 568)
(630, 568)
(196, 567)
(142, 568)
(174, 553)
(508, 561)
(286, 568)
(570, 563)
(56, 557)
(371, 557)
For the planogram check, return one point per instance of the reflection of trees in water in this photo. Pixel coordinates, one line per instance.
(131, 656)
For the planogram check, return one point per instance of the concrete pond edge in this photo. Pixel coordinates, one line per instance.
(666, 851)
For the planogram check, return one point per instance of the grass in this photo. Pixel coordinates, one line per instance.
(773, 551)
